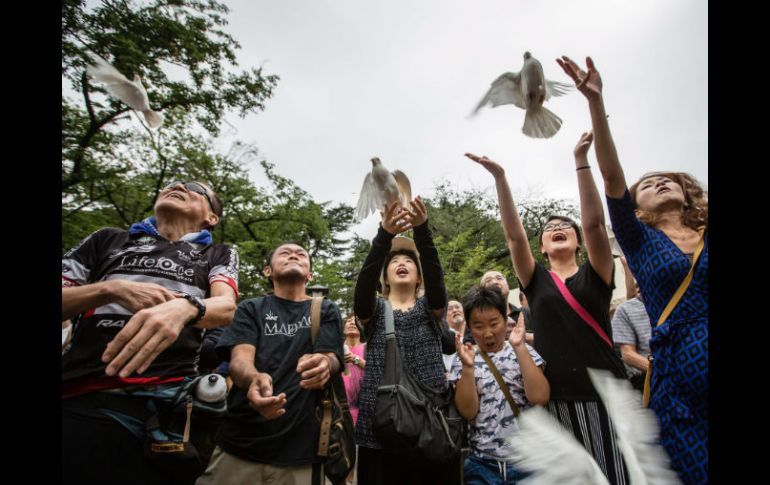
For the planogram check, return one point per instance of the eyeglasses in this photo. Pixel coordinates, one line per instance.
(193, 187)
(554, 226)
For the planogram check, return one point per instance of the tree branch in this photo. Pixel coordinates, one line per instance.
(76, 176)
(89, 107)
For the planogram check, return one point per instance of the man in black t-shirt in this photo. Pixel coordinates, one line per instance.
(271, 431)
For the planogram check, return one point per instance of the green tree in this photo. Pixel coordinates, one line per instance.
(148, 39)
(255, 219)
(469, 236)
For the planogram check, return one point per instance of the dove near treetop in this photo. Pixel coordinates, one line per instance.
(118, 86)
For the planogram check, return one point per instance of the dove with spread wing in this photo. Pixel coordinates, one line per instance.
(543, 447)
(527, 89)
(117, 85)
(636, 429)
(381, 186)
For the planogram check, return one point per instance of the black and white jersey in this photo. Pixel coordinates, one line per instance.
(180, 266)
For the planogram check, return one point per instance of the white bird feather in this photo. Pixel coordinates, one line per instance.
(636, 429)
(381, 186)
(117, 85)
(544, 447)
(527, 89)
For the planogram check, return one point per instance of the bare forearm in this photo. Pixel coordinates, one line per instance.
(629, 279)
(219, 312)
(591, 211)
(634, 358)
(77, 299)
(243, 373)
(606, 154)
(509, 216)
(466, 397)
(592, 217)
(516, 236)
(536, 386)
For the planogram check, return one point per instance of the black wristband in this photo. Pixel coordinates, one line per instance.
(199, 304)
(581, 168)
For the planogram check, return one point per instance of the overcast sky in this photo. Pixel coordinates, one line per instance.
(398, 80)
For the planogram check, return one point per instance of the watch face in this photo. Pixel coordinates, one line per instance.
(199, 303)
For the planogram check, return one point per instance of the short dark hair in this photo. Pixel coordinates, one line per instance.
(482, 298)
(571, 223)
(269, 260)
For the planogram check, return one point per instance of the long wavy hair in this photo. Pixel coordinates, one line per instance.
(696, 205)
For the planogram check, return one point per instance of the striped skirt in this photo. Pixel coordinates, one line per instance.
(589, 423)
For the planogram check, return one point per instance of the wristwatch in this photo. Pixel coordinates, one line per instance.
(199, 304)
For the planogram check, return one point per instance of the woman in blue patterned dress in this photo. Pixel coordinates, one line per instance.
(659, 223)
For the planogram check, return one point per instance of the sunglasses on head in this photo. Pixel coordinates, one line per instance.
(193, 187)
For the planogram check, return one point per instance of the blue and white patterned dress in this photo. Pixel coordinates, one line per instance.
(679, 391)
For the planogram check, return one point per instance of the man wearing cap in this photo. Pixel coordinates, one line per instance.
(140, 300)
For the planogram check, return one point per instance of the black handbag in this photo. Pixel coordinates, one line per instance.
(337, 439)
(411, 417)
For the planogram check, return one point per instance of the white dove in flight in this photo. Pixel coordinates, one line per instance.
(131, 93)
(545, 448)
(527, 89)
(381, 186)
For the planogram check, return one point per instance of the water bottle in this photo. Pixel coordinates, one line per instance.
(211, 388)
(346, 370)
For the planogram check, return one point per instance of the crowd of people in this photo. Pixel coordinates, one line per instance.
(155, 307)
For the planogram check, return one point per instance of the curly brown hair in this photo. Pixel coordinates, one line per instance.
(696, 205)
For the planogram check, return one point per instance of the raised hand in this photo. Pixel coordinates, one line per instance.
(517, 335)
(465, 352)
(396, 219)
(492, 167)
(419, 212)
(581, 149)
(589, 83)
